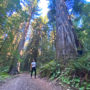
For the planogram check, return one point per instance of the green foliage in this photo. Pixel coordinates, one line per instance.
(11, 18)
(13, 5)
(46, 69)
(52, 11)
(83, 64)
(42, 41)
(82, 28)
(4, 69)
(3, 76)
(3, 73)
(50, 70)
(88, 86)
(76, 74)
(40, 47)
(7, 6)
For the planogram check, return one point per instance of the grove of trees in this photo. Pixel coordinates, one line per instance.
(59, 41)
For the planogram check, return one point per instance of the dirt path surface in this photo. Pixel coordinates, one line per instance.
(24, 82)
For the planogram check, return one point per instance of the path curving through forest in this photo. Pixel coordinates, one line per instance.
(25, 82)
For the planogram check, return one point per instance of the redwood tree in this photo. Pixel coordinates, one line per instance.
(66, 47)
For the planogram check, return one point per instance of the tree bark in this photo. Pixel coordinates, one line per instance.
(13, 67)
(65, 39)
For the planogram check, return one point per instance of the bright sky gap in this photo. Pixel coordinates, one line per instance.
(43, 5)
(88, 0)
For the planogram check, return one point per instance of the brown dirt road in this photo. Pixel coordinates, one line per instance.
(24, 82)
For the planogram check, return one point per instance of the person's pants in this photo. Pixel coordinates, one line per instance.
(33, 70)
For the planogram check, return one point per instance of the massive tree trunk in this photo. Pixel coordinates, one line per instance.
(65, 38)
(15, 65)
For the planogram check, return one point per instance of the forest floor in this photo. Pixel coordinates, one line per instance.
(25, 82)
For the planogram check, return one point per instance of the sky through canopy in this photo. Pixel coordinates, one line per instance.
(43, 4)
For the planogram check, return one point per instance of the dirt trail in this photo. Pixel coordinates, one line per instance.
(24, 82)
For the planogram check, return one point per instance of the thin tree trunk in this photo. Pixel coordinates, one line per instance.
(65, 38)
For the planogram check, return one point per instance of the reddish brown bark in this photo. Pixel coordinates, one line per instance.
(65, 38)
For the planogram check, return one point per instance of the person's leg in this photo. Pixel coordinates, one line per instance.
(35, 72)
(31, 72)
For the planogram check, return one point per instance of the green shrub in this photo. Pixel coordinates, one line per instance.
(76, 73)
(51, 70)
(83, 63)
(4, 75)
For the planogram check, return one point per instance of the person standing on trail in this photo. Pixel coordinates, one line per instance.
(33, 68)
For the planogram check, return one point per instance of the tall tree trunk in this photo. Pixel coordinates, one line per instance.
(15, 65)
(65, 39)
(22, 41)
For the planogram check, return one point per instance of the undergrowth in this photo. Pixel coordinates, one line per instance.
(3, 73)
(76, 73)
(3, 76)
(50, 70)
